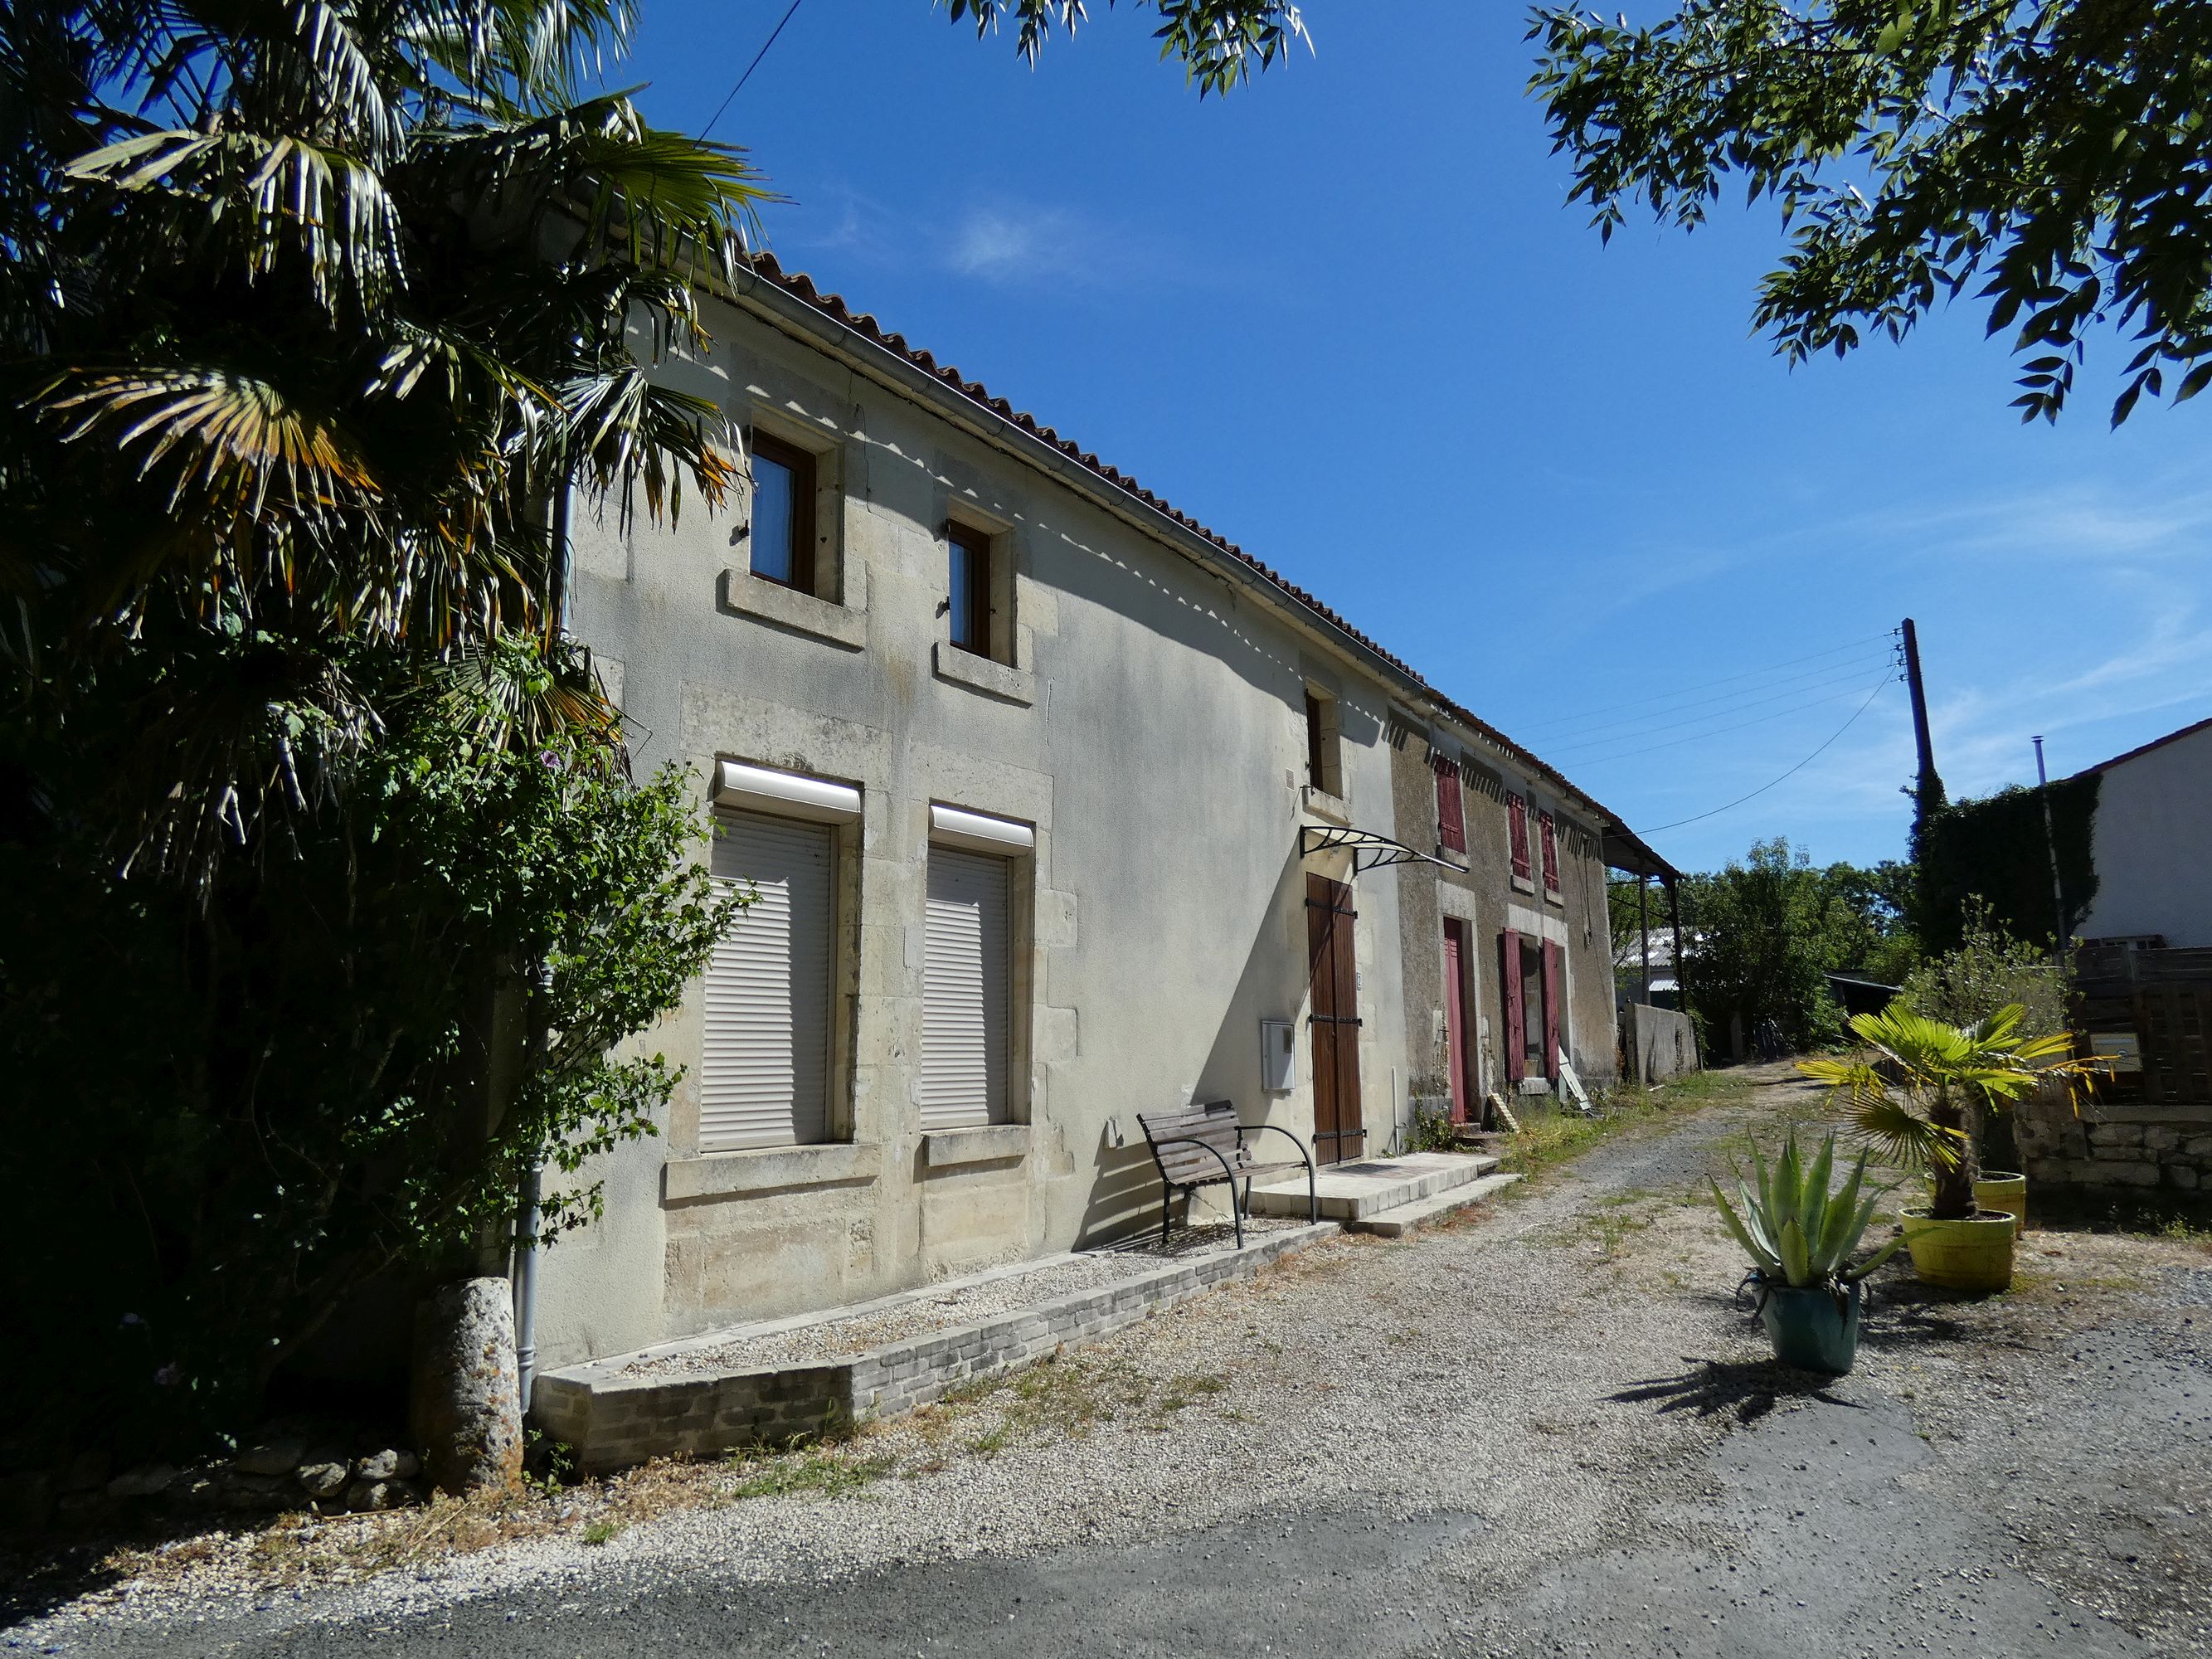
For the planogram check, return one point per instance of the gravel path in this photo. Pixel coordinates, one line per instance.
(1544, 1429)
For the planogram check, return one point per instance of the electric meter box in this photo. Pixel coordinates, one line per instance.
(1279, 1056)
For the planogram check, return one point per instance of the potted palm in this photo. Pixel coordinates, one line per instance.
(1919, 1092)
(1800, 1238)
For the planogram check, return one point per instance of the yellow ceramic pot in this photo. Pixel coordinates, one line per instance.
(2000, 1189)
(1973, 1253)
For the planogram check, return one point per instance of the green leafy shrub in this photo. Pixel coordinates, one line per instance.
(1989, 971)
(333, 1067)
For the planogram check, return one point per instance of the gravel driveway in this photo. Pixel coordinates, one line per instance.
(1542, 1429)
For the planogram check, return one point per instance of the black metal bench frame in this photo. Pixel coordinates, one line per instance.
(1241, 1167)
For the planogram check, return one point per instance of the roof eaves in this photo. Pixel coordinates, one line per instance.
(2144, 749)
(801, 287)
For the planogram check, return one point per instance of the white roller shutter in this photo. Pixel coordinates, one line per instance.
(965, 992)
(765, 1079)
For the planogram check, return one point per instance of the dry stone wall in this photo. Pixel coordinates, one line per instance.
(2114, 1146)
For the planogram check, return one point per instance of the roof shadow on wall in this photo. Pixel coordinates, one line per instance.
(1125, 1195)
(1177, 599)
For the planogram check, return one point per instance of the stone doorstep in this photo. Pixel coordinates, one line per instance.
(1351, 1191)
(614, 1420)
(1409, 1218)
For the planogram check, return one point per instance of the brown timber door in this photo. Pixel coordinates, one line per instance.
(1338, 1133)
(1456, 1057)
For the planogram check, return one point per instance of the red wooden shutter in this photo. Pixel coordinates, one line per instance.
(1548, 833)
(1551, 1009)
(1516, 821)
(1455, 1018)
(1451, 810)
(1517, 1019)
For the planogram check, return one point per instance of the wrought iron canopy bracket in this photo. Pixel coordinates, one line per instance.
(1369, 850)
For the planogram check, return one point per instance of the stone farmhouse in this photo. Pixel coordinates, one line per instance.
(1058, 807)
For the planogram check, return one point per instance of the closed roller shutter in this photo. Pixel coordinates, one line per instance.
(965, 992)
(765, 1079)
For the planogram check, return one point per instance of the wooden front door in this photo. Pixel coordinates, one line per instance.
(1456, 1057)
(1338, 1134)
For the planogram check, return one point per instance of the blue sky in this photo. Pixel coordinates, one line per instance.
(1345, 317)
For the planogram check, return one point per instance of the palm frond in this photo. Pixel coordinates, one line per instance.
(1906, 1139)
(239, 445)
(263, 201)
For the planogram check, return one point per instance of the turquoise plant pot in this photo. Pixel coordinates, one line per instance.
(1813, 1330)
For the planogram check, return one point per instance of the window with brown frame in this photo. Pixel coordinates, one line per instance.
(1324, 766)
(967, 587)
(782, 532)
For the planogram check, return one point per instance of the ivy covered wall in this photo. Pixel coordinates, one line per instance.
(1995, 848)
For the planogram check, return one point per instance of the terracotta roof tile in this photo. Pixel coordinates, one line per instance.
(800, 286)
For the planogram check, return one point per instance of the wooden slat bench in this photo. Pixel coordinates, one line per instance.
(1203, 1144)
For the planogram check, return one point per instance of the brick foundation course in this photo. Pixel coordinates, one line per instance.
(613, 1421)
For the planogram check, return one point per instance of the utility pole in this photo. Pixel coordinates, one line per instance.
(1919, 689)
(2051, 846)
(1927, 787)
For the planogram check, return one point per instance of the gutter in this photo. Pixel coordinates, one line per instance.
(763, 294)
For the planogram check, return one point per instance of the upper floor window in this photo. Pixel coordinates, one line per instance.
(1324, 765)
(1548, 837)
(1516, 826)
(1451, 805)
(968, 587)
(782, 534)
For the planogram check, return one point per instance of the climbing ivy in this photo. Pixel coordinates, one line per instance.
(1995, 848)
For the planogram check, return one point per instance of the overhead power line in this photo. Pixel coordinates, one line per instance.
(1635, 750)
(751, 67)
(1704, 685)
(1791, 773)
(1851, 677)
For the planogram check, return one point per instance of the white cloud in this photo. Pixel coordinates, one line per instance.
(1001, 241)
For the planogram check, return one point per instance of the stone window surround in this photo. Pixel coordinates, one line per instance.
(740, 1174)
(760, 1169)
(832, 583)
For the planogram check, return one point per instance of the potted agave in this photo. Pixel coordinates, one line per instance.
(1919, 1093)
(1800, 1237)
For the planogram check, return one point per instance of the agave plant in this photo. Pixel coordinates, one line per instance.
(1920, 1091)
(1798, 1234)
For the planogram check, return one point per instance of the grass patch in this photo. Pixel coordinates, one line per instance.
(818, 1474)
(602, 1532)
(1553, 1136)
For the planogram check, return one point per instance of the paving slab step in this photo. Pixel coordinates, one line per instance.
(1347, 1192)
(1408, 1217)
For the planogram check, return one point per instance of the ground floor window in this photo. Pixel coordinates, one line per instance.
(1531, 972)
(1535, 1057)
(966, 991)
(765, 1072)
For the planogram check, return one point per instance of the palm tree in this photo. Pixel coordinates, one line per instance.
(312, 310)
(1920, 1091)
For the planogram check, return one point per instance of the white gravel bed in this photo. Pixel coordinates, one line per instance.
(1552, 1369)
(925, 1312)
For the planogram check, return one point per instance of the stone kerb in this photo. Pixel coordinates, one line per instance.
(615, 1420)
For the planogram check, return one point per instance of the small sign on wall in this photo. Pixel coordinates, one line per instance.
(1279, 1056)
(2120, 1049)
